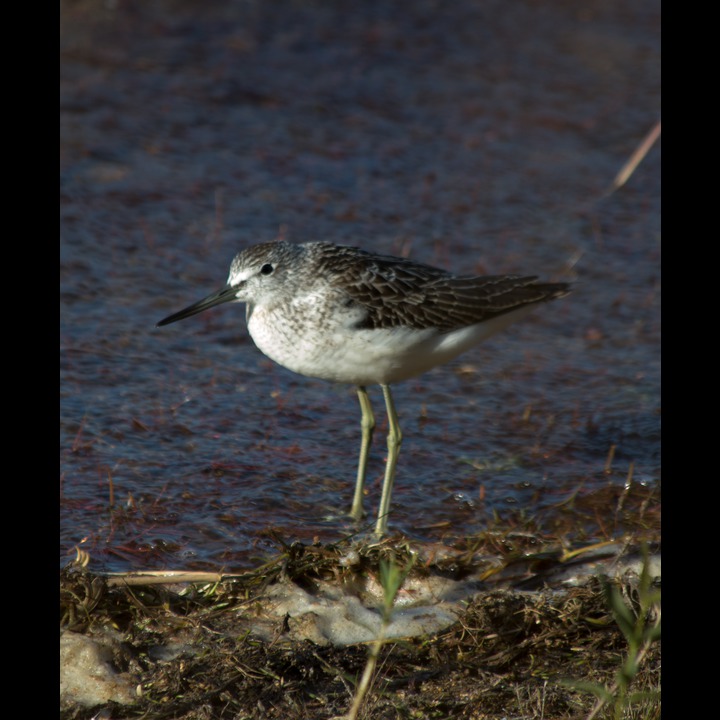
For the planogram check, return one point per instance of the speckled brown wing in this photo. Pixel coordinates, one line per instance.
(397, 292)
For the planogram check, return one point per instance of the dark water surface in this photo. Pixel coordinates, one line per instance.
(478, 136)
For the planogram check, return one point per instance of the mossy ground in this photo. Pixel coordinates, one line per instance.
(510, 655)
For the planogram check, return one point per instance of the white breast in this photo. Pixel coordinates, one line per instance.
(307, 339)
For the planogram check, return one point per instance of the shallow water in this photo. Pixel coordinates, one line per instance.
(481, 139)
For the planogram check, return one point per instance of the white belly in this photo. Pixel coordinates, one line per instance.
(311, 342)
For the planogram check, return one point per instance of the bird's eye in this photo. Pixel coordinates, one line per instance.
(266, 269)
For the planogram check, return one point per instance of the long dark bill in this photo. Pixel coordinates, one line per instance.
(227, 294)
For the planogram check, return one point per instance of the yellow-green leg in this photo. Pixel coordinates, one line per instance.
(367, 423)
(394, 439)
